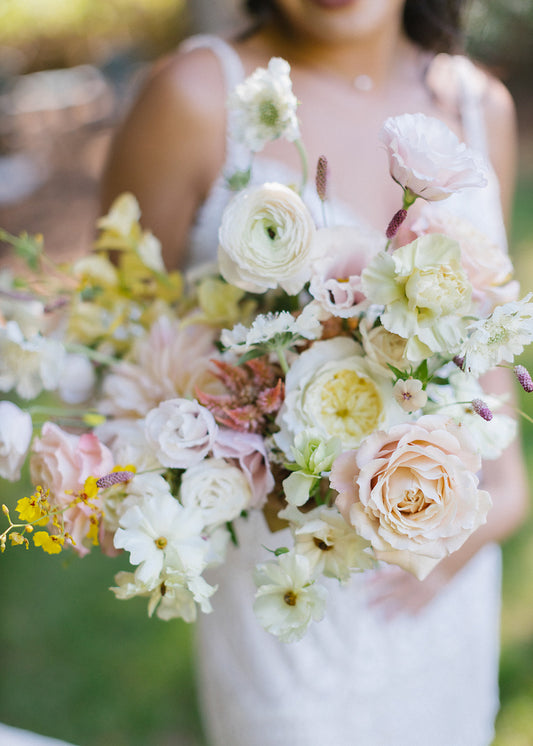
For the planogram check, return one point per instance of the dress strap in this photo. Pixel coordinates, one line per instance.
(472, 86)
(237, 155)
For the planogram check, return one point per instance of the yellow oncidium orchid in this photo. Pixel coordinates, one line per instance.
(50, 543)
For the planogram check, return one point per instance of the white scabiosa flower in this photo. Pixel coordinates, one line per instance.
(500, 337)
(15, 436)
(263, 107)
(287, 599)
(266, 240)
(160, 533)
(271, 330)
(28, 365)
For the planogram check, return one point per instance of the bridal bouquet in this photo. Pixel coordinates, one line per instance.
(326, 375)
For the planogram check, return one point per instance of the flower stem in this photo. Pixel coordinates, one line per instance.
(303, 158)
(98, 357)
(280, 351)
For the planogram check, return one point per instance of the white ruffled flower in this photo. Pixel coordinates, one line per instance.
(160, 533)
(181, 432)
(427, 158)
(330, 544)
(217, 489)
(500, 338)
(287, 599)
(266, 240)
(15, 435)
(263, 107)
(28, 365)
(331, 388)
(426, 294)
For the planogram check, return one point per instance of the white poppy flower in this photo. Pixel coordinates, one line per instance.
(287, 599)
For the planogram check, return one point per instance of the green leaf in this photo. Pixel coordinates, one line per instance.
(239, 180)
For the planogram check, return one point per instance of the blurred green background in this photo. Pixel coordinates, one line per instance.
(74, 662)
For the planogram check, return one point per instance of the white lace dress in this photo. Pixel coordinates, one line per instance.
(355, 679)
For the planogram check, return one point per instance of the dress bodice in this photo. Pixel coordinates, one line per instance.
(480, 206)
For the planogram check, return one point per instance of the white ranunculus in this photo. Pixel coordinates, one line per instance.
(77, 379)
(426, 294)
(28, 365)
(159, 533)
(266, 240)
(331, 388)
(181, 432)
(220, 490)
(15, 436)
(287, 599)
(263, 107)
(427, 158)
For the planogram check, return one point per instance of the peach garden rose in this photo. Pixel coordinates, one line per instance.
(412, 491)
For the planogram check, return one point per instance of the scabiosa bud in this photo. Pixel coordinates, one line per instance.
(481, 409)
(116, 477)
(459, 361)
(395, 223)
(524, 378)
(322, 177)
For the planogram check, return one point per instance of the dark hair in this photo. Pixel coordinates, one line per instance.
(432, 24)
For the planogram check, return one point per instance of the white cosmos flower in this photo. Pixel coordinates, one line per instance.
(181, 432)
(330, 544)
(218, 490)
(15, 436)
(287, 599)
(500, 337)
(28, 365)
(263, 107)
(160, 533)
(427, 158)
(266, 240)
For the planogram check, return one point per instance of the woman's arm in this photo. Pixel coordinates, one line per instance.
(170, 147)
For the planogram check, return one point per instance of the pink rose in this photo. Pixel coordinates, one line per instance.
(249, 450)
(426, 157)
(412, 492)
(61, 461)
(336, 276)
